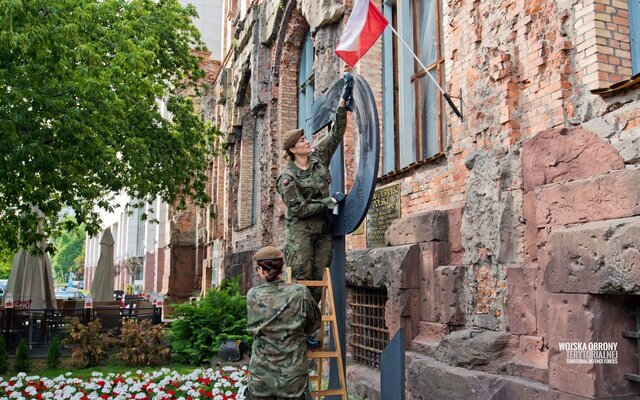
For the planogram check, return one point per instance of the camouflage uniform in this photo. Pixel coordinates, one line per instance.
(307, 245)
(279, 315)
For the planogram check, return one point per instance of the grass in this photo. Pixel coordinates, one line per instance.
(39, 367)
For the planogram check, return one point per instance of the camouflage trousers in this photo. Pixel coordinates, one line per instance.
(249, 396)
(307, 250)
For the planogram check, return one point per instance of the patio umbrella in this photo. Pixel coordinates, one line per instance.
(102, 285)
(31, 281)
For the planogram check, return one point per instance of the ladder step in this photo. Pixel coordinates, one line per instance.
(328, 318)
(322, 354)
(327, 392)
(631, 334)
(632, 377)
(312, 283)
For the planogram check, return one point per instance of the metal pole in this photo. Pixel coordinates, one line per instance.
(446, 96)
(338, 280)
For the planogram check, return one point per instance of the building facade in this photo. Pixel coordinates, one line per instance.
(494, 239)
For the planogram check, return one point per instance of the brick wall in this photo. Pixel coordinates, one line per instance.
(602, 42)
(245, 178)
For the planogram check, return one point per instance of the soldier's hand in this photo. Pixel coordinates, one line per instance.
(347, 90)
(339, 197)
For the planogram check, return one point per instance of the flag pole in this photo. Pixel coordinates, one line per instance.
(446, 96)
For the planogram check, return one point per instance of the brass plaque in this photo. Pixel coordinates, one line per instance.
(385, 207)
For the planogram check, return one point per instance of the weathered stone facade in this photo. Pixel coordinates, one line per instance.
(520, 234)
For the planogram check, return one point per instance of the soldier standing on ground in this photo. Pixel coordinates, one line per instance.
(279, 315)
(304, 187)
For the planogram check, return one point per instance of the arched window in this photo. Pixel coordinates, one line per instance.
(305, 85)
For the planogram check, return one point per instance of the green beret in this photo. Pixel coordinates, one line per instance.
(290, 138)
(268, 253)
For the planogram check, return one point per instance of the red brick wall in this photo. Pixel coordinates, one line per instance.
(602, 42)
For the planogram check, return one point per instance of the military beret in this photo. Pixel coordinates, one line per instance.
(290, 138)
(268, 253)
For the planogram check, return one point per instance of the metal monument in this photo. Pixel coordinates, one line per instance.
(354, 209)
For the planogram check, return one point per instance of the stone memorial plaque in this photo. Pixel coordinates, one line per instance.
(385, 207)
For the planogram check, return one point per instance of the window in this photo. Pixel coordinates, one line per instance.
(417, 133)
(369, 334)
(305, 85)
(634, 32)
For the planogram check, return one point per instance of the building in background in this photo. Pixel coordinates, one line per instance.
(493, 239)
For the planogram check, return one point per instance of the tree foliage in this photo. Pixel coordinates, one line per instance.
(69, 253)
(79, 115)
(6, 260)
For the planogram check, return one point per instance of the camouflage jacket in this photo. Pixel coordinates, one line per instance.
(279, 315)
(306, 192)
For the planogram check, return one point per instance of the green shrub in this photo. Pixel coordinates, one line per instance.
(4, 356)
(53, 356)
(143, 344)
(200, 327)
(88, 345)
(22, 360)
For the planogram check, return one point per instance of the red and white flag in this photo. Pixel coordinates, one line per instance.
(364, 27)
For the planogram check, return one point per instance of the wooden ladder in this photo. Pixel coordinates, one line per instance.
(328, 308)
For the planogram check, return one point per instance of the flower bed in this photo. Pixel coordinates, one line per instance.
(224, 384)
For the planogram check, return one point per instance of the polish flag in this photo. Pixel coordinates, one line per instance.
(364, 27)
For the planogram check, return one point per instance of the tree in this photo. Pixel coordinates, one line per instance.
(80, 119)
(69, 255)
(6, 261)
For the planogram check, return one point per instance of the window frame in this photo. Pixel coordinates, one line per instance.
(415, 85)
(634, 34)
(305, 87)
(437, 66)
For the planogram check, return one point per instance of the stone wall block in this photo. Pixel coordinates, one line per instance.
(598, 257)
(430, 379)
(270, 17)
(560, 155)
(401, 311)
(433, 330)
(240, 264)
(321, 12)
(433, 255)
(530, 228)
(455, 235)
(180, 279)
(492, 222)
(521, 299)
(424, 227)
(392, 267)
(478, 349)
(611, 195)
(587, 318)
(447, 295)
(531, 359)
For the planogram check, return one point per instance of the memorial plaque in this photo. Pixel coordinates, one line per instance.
(385, 207)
